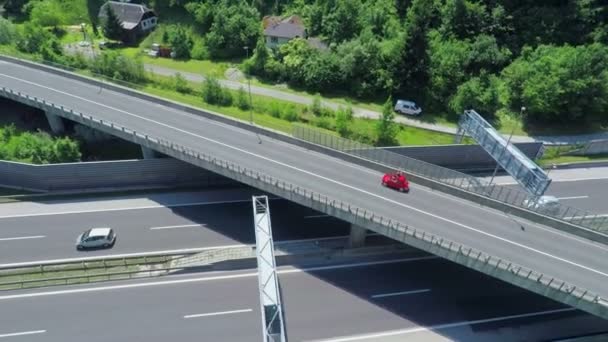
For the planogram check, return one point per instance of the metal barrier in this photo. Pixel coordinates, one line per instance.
(457, 179)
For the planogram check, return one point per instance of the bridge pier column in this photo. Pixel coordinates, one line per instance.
(148, 153)
(357, 236)
(55, 122)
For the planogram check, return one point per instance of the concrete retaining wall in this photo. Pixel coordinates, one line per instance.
(161, 172)
(460, 157)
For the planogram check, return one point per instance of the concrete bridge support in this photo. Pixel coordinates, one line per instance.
(148, 153)
(357, 236)
(56, 123)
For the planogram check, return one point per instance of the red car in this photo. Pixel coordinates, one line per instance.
(396, 181)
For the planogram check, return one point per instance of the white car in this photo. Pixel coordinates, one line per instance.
(407, 107)
(546, 204)
(96, 238)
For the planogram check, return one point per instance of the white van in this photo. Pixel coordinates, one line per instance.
(544, 204)
(407, 108)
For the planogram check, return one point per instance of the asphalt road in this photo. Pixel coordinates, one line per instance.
(190, 221)
(565, 257)
(412, 299)
(580, 188)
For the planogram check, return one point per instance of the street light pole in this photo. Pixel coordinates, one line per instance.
(249, 86)
(508, 142)
(250, 100)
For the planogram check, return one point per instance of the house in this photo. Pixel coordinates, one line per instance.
(137, 20)
(279, 31)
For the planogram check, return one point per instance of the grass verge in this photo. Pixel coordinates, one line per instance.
(79, 273)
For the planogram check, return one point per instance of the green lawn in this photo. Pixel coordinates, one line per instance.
(196, 101)
(208, 68)
(572, 159)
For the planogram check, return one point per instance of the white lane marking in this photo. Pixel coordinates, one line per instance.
(218, 313)
(572, 197)
(155, 206)
(315, 216)
(23, 333)
(205, 279)
(172, 251)
(445, 326)
(561, 180)
(177, 227)
(127, 255)
(23, 238)
(321, 177)
(392, 294)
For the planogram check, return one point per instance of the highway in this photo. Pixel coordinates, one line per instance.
(415, 299)
(544, 249)
(208, 219)
(584, 188)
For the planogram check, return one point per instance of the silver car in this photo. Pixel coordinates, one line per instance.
(96, 238)
(543, 204)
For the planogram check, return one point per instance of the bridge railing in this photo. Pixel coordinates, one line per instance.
(476, 259)
(453, 178)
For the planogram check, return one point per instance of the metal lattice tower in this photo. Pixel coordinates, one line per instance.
(270, 292)
(526, 172)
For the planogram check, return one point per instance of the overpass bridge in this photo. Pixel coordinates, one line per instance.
(562, 266)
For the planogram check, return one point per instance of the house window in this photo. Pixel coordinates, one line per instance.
(274, 40)
(153, 20)
(144, 24)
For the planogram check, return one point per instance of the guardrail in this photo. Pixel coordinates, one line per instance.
(481, 261)
(154, 264)
(453, 178)
(79, 271)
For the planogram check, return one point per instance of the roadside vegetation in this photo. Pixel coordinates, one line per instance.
(36, 148)
(447, 55)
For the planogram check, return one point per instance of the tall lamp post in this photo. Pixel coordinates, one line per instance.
(521, 112)
(249, 86)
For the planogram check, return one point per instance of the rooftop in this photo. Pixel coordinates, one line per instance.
(129, 14)
(100, 232)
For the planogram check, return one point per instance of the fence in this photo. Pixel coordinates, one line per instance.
(593, 147)
(460, 157)
(453, 178)
(478, 260)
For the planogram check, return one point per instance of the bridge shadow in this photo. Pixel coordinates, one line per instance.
(456, 293)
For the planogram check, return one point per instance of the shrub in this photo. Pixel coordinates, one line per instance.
(290, 113)
(215, 94)
(274, 109)
(180, 84)
(242, 101)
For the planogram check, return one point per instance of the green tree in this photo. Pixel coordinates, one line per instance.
(479, 93)
(230, 25)
(180, 41)
(215, 94)
(65, 150)
(386, 128)
(410, 57)
(46, 13)
(112, 28)
(260, 58)
(344, 118)
(7, 32)
(342, 21)
(559, 84)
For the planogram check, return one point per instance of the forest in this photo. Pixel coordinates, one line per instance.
(496, 56)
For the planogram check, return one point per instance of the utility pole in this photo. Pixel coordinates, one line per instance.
(250, 100)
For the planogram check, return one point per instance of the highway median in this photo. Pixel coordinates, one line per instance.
(103, 269)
